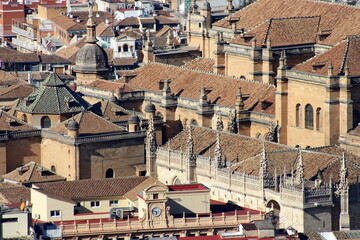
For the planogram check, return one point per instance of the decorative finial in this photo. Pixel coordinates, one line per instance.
(300, 169)
(219, 122)
(218, 150)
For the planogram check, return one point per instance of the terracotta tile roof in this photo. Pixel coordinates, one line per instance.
(313, 236)
(124, 61)
(70, 51)
(106, 85)
(186, 83)
(69, 23)
(130, 21)
(163, 31)
(89, 188)
(245, 153)
(149, 20)
(11, 193)
(236, 147)
(18, 57)
(203, 64)
(7, 79)
(345, 54)
(113, 112)
(19, 90)
(104, 30)
(89, 124)
(165, 20)
(33, 173)
(133, 33)
(11, 123)
(283, 32)
(337, 21)
(53, 59)
(132, 194)
(41, 76)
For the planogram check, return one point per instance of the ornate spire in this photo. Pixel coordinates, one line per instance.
(263, 164)
(344, 184)
(300, 169)
(190, 148)
(91, 26)
(151, 136)
(219, 123)
(282, 60)
(231, 123)
(218, 151)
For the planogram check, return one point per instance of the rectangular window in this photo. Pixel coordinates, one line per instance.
(114, 202)
(95, 204)
(55, 213)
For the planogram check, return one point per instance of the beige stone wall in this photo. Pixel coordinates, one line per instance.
(120, 155)
(48, 13)
(104, 204)
(3, 159)
(189, 202)
(42, 205)
(20, 151)
(60, 155)
(237, 65)
(303, 93)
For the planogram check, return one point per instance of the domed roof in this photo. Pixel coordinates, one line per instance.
(133, 119)
(91, 58)
(150, 108)
(73, 125)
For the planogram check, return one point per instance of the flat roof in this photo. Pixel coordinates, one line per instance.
(187, 187)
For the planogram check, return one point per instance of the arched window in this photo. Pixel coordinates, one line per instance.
(109, 173)
(194, 122)
(53, 168)
(45, 122)
(24, 118)
(119, 49)
(309, 116)
(318, 119)
(298, 115)
(125, 48)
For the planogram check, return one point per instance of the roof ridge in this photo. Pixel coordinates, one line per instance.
(296, 17)
(266, 34)
(343, 62)
(212, 73)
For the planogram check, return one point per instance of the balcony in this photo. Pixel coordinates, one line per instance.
(26, 45)
(23, 29)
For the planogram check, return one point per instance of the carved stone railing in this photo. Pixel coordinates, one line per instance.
(20, 134)
(95, 138)
(211, 221)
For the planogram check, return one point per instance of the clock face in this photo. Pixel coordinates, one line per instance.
(156, 211)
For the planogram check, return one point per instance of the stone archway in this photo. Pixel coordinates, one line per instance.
(274, 206)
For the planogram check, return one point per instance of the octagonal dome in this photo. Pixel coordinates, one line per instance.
(91, 58)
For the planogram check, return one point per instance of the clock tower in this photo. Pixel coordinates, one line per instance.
(152, 206)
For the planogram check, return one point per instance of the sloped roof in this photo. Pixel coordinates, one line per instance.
(11, 193)
(345, 54)
(53, 97)
(92, 187)
(283, 32)
(7, 79)
(53, 59)
(19, 90)
(89, 124)
(11, 123)
(337, 20)
(245, 154)
(113, 112)
(104, 30)
(33, 173)
(69, 52)
(187, 82)
(130, 21)
(106, 85)
(202, 64)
